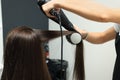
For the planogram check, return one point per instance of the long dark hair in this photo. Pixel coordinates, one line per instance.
(79, 73)
(24, 58)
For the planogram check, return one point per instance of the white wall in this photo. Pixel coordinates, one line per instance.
(1, 35)
(99, 59)
(1, 40)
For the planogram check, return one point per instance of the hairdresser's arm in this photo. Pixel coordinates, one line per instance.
(98, 37)
(85, 8)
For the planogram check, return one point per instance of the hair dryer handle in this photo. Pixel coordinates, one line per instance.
(64, 20)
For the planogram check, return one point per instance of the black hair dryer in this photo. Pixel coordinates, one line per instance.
(64, 20)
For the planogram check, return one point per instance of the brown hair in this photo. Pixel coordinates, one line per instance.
(23, 55)
(79, 73)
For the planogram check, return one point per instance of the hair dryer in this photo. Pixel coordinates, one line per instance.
(64, 20)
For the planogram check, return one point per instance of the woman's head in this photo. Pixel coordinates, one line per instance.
(23, 56)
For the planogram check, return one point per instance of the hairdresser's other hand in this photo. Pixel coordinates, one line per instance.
(49, 6)
(82, 32)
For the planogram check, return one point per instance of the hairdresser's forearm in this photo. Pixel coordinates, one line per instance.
(90, 10)
(101, 37)
(95, 38)
(92, 37)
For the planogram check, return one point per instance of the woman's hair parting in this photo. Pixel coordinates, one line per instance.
(24, 57)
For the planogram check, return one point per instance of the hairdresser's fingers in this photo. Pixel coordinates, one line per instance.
(81, 31)
(76, 28)
(57, 10)
(47, 7)
(47, 10)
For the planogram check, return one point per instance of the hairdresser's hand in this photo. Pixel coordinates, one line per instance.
(83, 33)
(49, 6)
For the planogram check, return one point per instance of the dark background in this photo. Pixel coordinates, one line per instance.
(22, 12)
